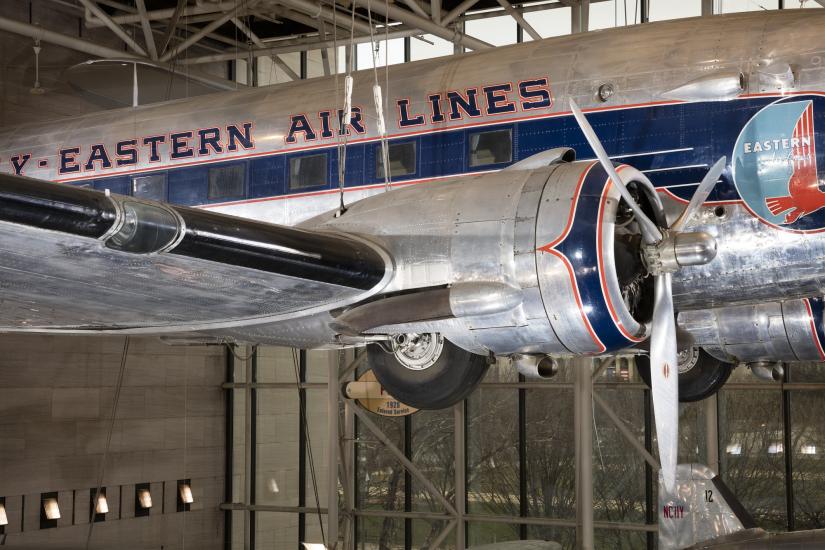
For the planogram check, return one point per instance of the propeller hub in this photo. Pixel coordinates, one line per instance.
(677, 250)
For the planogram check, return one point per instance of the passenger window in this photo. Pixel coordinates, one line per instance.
(493, 147)
(152, 187)
(309, 171)
(226, 182)
(402, 159)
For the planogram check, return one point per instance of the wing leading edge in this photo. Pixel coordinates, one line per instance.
(75, 259)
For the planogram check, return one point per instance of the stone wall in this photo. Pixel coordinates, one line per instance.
(56, 396)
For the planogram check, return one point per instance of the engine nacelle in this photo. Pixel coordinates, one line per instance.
(560, 234)
(773, 331)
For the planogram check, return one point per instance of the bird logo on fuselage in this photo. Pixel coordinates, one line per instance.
(775, 166)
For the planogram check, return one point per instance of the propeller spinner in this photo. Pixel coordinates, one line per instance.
(664, 252)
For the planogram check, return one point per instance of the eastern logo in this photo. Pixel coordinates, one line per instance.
(775, 167)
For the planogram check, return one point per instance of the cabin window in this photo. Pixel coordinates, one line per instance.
(152, 187)
(493, 147)
(226, 182)
(308, 171)
(402, 159)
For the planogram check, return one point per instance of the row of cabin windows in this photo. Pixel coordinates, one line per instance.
(228, 182)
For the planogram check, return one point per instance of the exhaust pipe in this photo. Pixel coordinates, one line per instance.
(536, 367)
(771, 372)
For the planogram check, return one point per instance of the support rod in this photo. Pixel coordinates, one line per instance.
(409, 18)
(458, 11)
(460, 474)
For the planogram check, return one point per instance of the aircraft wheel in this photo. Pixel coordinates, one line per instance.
(426, 371)
(700, 374)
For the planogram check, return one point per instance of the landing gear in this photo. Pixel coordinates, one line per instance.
(700, 374)
(426, 371)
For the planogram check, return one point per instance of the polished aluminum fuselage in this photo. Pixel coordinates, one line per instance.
(487, 227)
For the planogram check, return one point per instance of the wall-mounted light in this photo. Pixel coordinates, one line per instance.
(313, 546)
(4, 519)
(143, 500)
(100, 503)
(184, 495)
(51, 508)
(808, 449)
(775, 448)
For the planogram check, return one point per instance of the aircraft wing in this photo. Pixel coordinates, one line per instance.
(74, 259)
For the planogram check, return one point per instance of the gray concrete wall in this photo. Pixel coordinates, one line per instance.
(56, 396)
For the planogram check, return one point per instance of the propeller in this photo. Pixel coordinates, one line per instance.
(664, 252)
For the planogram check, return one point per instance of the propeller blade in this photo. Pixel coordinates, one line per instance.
(664, 374)
(701, 194)
(650, 232)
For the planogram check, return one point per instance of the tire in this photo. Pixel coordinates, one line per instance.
(703, 379)
(451, 377)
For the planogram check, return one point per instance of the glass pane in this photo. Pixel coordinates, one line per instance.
(492, 147)
(808, 436)
(498, 31)
(550, 453)
(307, 171)
(402, 159)
(379, 476)
(376, 533)
(276, 530)
(151, 187)
(618, 468)
(480, 533)
(492, 452)
(730, 6)
(432, 452)
(428, 46)
(424, 534)
(667, 9)
(750, 451)
(366, 55)
(565, 536)
(547, 23)
(619, 539)
(226, 182)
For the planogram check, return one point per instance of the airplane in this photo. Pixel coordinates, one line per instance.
(703, 513)
(689, 230)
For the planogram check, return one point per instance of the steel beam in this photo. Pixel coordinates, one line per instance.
(712, 432)
(707, 7)
(260, 44)
(59, 39)
(147, 29)
(435, 8)
(298, 45)
(580, 13)
(519, 19)
(192, 39)
(316, 10)
(583, 425)
(426, 25)
(458, 11)
(332, 453)
(114, 27)
(459, 446)
(160, 15)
